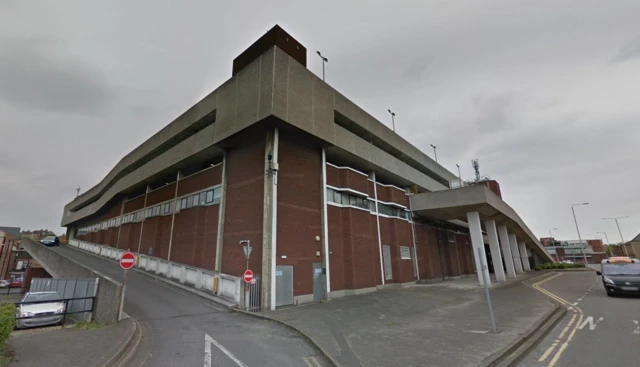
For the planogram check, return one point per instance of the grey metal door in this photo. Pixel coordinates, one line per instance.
(318, 282)
(284, 285)
(386, 255)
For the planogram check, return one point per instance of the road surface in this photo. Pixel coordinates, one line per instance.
(597, 331)
(180, 329)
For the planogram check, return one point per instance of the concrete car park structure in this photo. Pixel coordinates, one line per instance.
(332, 201)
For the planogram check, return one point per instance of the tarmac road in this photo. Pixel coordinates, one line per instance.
(597, 331)
(175, 325)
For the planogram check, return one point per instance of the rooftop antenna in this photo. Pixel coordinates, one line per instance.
(476, 167)
(78, 191)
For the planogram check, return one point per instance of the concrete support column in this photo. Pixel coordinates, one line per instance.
(221, 212)
(496, 256)
(173, 213)
(325, 230)
(517, 261)
(269, 224)
(524, 256)
(506, 251)
(475, 230)
(143, 214)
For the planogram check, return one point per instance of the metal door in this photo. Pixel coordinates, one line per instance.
(318, 282)
(284, 285)
(386, 256)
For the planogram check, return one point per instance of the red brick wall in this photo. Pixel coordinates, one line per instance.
(395, 233)
(429, 264)
(129, 236)
(161, 195)
(133, 205)
(333, 176)
(195, 235)
(465, 254)
(201, 180)
(244, 203)
(299, 208)
(597, 245)
(391, 194)
(354, 258)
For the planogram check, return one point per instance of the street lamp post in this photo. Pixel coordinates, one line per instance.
(393, 120)
(624, 248)
(551, 235)
(605, 236)
(459, 175)
(324, 59)
(434, 152)
(584, 256)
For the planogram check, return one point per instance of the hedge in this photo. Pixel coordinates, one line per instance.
(558, 266)
(7, 322)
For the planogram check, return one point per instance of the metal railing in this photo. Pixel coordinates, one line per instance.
(64, 313)
(225, 286)
(11, 291)
(253, 295)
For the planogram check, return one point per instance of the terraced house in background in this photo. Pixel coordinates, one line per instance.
(332, 201)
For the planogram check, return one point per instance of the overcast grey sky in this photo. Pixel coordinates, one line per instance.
(543, 93)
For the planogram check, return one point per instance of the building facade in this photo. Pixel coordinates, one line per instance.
(331, 201)
(9, 242)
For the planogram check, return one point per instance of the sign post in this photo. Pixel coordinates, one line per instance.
(483, 267)
(127, 260)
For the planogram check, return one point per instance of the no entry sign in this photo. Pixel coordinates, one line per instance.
(127, 260)
(248, 276)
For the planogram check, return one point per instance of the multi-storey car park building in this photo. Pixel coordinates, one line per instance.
(332, 201)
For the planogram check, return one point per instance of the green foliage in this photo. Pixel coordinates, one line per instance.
(548, 266)
(7, 323)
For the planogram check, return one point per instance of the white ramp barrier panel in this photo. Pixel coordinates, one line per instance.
(228, 287)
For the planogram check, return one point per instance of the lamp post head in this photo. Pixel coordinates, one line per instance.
(433, 146)
(392, 113)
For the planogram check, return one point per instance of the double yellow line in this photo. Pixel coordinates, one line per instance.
(577, 314)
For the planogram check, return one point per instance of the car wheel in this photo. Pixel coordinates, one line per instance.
(610, 294)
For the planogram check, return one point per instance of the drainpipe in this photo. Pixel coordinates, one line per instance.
(173, 213)
(325, 225)
(375, 193)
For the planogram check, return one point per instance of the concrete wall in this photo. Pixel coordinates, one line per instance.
(108, 299)
(273, 85)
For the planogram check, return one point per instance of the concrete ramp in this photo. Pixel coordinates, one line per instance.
(109, 296)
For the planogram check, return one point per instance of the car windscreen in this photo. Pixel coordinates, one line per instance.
(41, 297)
(621, 269)
(49, 238)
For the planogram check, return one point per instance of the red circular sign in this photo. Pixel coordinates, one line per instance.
(248, 276)
(127, 260)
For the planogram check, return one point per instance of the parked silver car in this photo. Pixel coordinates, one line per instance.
(4, 283)
(40, 314)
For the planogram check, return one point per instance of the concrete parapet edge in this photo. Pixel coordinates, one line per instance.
(126, 353)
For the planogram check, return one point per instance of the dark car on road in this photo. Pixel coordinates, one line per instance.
(620, 275)
(50, 241)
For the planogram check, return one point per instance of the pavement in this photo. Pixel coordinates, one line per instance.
(69, 347)
(598, 331)
(181, 329)
(439, 324)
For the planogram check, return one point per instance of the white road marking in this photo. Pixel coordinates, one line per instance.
(589, 320)
(207, 352)
(637, 329)
(479, 331)
(575, 303)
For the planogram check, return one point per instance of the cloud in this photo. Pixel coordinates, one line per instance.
(36, 73)
(629, 51)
